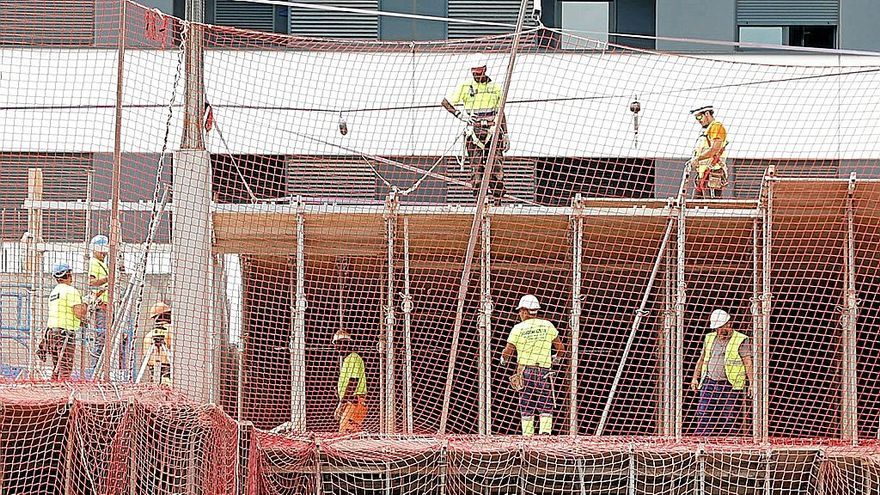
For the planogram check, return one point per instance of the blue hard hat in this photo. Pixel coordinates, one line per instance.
(100, 243)
(60, 269)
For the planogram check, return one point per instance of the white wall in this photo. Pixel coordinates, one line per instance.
(809, 112)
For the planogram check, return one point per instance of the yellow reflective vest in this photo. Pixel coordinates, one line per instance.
(733, 364)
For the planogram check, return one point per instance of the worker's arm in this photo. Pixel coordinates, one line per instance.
(695, 381)
(502, 122)
(559, 347)
(507, 354)
(80, 311)
(450, 108)
(750, 371)
(717, 146)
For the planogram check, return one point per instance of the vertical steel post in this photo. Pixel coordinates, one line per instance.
(407, 307)
(680, 306)
(577, 259)
(110, 334)
(390, 217)
(667, 406)
(485, 327)
(762, 348)
(849, 408)
(757, 334)
(298, 335)
(34, 264)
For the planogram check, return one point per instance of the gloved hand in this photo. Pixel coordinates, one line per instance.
(555, 361)
(505, 142)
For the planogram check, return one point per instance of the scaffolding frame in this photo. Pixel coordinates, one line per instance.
(760, 215)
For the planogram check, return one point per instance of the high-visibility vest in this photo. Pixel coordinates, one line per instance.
(733, 364)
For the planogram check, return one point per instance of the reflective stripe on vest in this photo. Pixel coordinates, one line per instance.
(733, 365)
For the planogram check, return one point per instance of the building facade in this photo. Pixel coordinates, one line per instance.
(844, 24)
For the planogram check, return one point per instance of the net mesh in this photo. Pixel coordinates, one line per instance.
(336, 196)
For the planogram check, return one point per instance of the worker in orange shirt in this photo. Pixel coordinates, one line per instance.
(710, 155)
(352, 385)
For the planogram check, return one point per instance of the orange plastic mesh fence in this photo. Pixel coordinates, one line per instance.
(313, 268)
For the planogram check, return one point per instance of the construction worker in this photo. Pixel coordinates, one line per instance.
(709, 160)
(352, 385)
(534, 341)
(481, 99)
(722, 374)
(157, 343)
(99, 277)
(66, 312)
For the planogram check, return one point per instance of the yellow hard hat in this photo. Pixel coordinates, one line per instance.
(159, 308)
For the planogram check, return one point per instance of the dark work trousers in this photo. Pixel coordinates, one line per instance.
(719, 410)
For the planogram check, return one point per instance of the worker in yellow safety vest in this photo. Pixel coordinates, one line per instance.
(66, 313)
(351, 387)
(709, 159)
(722, 376)
(99, 276)
(157, 343)
(480, 98)
(535, 341)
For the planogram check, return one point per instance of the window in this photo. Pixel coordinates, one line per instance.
(586, 20)
(397, 28)
(764, 35)
(808, 36)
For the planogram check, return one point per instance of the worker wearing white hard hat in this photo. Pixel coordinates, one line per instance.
(709, 159)
(99, 277)
(480, 99)
(533, 341)
(722, 375)
(351, 389)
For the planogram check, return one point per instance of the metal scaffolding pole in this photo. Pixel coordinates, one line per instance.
(34, 265)
(298, 335)
(390, 216)
(115, 233)
(641, 312)
(407, 307)
(849, 407)
(680, 306)
(762, 347)
(757, 333)
(577, 259)
(472, 237)
(637, 322)
(667, 400)
(485, 327)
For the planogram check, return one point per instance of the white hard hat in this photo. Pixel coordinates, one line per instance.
(476, 60)
(100, 244)
(341, 335)
(718, 319)
(704, 108)
(528, 302)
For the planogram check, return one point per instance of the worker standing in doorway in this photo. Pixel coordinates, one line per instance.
(351, 387)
